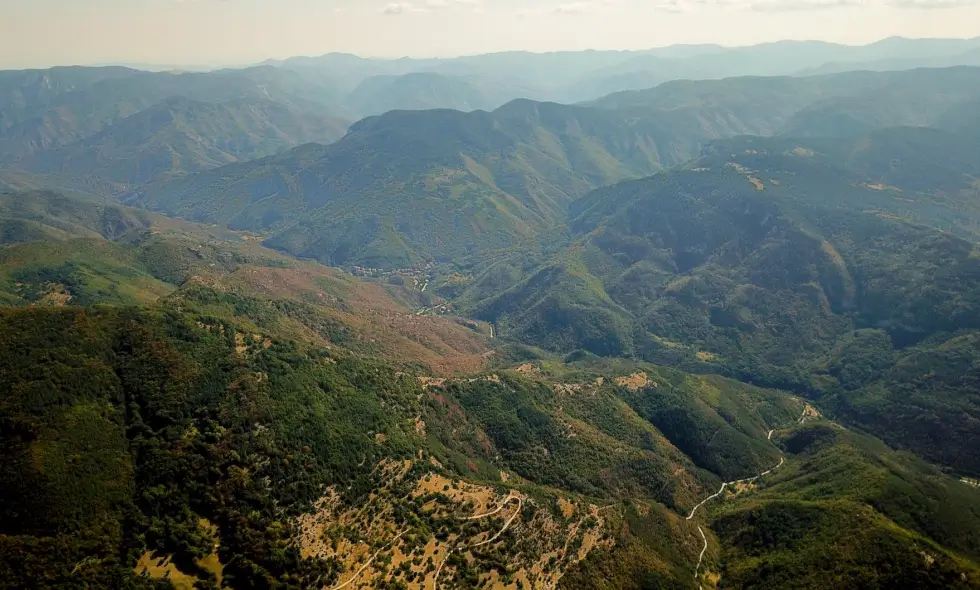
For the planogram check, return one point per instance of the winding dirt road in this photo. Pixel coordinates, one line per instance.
(704, 538)
(368, 564)
(506, 501)
(732, 483)
(510, 521)
(520, 507)
(704, 549)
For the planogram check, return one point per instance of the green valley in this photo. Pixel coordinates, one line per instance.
(720, 332)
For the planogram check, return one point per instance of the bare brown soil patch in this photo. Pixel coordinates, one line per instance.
(568, 388)
(54, 295)
(710, 580)
(478, 522)
(428, 382)
(635, 382)
(567, 508)
(160, 568)
(810, 413)
(379, 318)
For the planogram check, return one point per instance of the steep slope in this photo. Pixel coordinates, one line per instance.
(777, 536)
(51, 108)
(841, 104)
(46, 215)
(756, 260)
(157, 455)
(408, 187)
(454, 184)
(248, 400)
(254, 419)
(80, 271)
(421, 91)
(180, 136)
(69, 251)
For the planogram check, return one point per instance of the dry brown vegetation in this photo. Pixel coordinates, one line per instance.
(635, 382)
(501, 536)
(161, 567)
(380, 322)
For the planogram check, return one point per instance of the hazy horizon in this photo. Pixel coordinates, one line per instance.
(224, 33)
(501, 51)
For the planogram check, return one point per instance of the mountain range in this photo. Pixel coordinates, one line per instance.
(581, 76)
(765, 259)
(395, 191)
(304, 325)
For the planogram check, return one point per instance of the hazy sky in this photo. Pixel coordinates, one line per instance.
(36, 33)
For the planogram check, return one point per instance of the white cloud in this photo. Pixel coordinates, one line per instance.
(395, 8)
(584, 7)
(402, 8)
(793, 5)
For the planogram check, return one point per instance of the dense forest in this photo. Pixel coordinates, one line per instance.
(125, 428)
(763, 262)
(165, 431)
(719, 333)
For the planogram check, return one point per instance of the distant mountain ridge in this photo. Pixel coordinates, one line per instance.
(410, 186)
(69, 104)
(587, 75)
(704, 335)
(425, 90)
(181, 136)
(46, 110)
(413, 186)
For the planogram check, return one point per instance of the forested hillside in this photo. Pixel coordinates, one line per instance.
(40, 215)
(171, 425)
(43, 109)
(179, 136)
(717, 333)
(410, 187)
(89, 254)
(761, 260)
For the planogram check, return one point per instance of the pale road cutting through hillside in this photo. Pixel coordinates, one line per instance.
(703, 551)
(520, 507)
(704, 538)
(715, 495)
(499, 508)
(366, 565)
(435, 579)
(731, 483)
